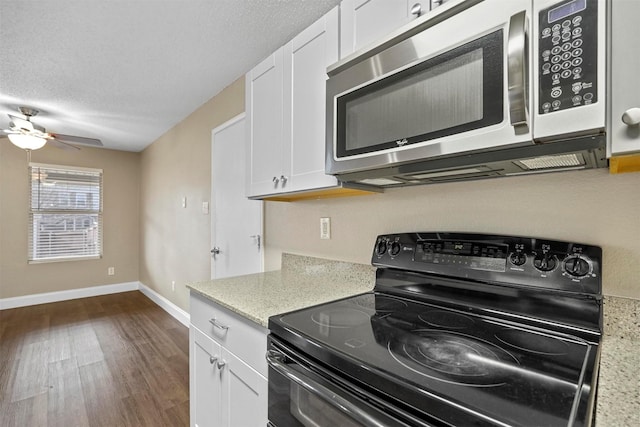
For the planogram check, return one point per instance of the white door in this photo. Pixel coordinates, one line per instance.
(236, 222)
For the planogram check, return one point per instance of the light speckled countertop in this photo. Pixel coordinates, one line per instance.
(306, 281)
(302, 282)
(619, 383)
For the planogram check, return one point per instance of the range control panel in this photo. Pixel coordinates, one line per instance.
(568, 36)
(509, 260)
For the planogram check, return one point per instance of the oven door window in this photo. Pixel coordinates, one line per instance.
(455, 92)
(301, 398)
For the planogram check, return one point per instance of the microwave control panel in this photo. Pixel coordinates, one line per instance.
(568, 55)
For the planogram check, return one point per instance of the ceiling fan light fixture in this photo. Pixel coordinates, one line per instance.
(27, 142)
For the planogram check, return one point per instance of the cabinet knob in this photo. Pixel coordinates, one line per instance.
(221, 364)
(631, 117)
(416, 9)
(284, 179)
(213, 360)
(275, 181)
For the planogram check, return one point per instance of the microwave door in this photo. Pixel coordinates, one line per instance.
(459, 86)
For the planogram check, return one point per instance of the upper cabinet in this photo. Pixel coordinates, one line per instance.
(625, 68)
(363, 22)
(266, 172)
(306, 59)
(285, 102)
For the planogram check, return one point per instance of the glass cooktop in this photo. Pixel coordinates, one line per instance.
(454, 365)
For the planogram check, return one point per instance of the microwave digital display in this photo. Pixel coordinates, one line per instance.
(567, 9)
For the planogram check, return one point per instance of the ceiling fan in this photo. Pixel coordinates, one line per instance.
(27, 135)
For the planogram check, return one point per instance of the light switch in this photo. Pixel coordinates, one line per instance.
(325, 228)
(184, 202)
(205, 208)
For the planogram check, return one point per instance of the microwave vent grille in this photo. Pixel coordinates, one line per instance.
(552, 162)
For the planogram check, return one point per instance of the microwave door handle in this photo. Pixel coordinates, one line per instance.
(329, 394)
(517, 69)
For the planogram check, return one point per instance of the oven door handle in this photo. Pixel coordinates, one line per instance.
(517, 63)
(330, 394)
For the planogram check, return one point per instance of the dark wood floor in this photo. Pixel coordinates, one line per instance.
(114, 360)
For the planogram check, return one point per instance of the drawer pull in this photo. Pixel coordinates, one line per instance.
(215, 323)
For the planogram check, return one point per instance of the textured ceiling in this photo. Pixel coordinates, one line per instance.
(127, 71)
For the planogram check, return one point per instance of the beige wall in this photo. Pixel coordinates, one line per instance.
(586, 206)
(120, 249)
(175, 241)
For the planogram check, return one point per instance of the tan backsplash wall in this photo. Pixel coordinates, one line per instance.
(585, 206)
(175, 241)
(121, 237)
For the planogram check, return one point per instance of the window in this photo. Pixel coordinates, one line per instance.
(65, 218)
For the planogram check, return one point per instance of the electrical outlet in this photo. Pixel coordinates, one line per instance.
(325, 228)
(173, 285)
(111, 271)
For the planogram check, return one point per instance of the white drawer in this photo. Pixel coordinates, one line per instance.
(244, 338)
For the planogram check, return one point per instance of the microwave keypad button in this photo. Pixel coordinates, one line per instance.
(577, 52)
(566, 46)
(556, 59)
(546, 106)
(545, 68)
(555, 68)
(546, 54)
(556, 104)
(555, 39)
(566, 23)
(576, 99)
(556, 28)
(576, 43)
(577, 20)
(556, 50)
(576, 62)
(566, 56)
(577, 71)
(566, 36)
(546, 32)
(588, 96)
(567, 64)
(566, 74)
(577, 32)
(556, 92)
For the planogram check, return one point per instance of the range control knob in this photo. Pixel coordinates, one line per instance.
(518, 258)
(545, 262)
(394, 248)
(381, 248)
(577, 266)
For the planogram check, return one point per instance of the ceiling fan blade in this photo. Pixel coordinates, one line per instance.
(63, 145)
(70, 139)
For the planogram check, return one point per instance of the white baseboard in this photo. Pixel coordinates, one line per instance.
(179, 314)
(44, 298)
(94, 291)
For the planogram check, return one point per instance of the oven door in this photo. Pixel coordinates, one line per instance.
(460, 85)
(307, 396)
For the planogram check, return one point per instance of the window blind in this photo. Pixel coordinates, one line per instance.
(65, 217)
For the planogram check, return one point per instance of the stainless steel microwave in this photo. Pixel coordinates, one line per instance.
(473, 89)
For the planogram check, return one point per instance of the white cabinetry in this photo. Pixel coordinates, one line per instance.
(363, 22)
(625, 68)
(227, 367)
(285, 103)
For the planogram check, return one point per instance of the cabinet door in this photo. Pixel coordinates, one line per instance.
(244, 394)
(263, 103)
(204, 380)
(363, 22)
(306, 59)
(625, 69)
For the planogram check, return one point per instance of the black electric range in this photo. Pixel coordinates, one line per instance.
(460, 330)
